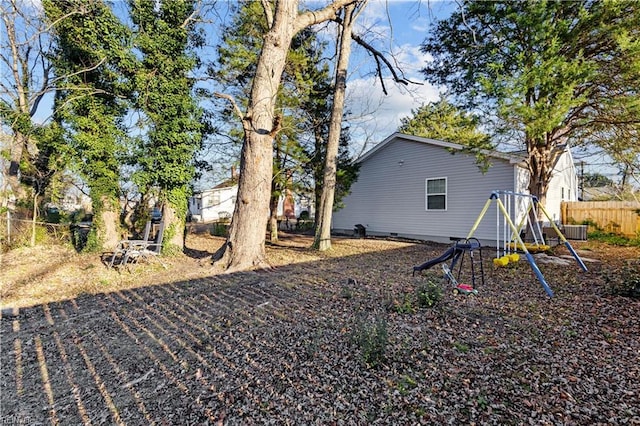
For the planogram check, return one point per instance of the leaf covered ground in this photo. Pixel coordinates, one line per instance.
(336, 338)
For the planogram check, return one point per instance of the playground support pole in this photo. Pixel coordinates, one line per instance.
(528, 255)
(482, 213)
(564, 240)
(536, 270)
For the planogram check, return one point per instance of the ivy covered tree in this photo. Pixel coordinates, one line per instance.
(549, 72)
(92, 59)
(171, 125)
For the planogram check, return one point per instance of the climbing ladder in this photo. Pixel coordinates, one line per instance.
(472, 248)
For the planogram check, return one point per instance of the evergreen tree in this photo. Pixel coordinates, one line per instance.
(550, 71)
(441, 120)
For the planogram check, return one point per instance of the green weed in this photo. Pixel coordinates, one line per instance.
(428, 294)
(372, 340)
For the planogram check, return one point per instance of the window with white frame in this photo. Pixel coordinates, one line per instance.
(436, 194)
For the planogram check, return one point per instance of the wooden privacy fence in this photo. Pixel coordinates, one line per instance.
(619, 217)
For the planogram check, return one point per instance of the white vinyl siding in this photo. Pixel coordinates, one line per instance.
(389, 196)
(436, 194)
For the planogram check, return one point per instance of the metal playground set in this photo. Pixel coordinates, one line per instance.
(514, 211)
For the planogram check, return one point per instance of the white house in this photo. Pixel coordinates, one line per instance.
(214, 204)
(414, 187)
(219, 203)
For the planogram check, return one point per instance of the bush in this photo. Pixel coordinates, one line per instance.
(372, 340)
(220, 229)
(428, 294)
(614, 239)
(401, 305)
(624, 281)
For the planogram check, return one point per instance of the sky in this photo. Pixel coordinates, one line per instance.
(397, 28)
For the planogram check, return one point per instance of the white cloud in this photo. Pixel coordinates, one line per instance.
(373, 115)
(396, 29)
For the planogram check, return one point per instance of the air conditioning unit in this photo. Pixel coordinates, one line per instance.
(575, 232)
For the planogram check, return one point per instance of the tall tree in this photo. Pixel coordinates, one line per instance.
(322, 240)
(171, 119)
(238, 55)
(244, 248)
(25, 52)
(444, 121)
(551, 70)
(92, 58)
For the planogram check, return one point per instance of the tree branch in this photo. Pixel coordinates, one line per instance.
(380, 57)
(230, 98)
(268, 13)
(313, 17)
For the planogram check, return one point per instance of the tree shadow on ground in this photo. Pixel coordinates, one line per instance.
(281, 347)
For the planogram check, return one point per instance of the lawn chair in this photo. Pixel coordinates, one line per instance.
(131, 251)
(124, 245)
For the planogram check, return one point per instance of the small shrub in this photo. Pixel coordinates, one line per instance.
(614, 239)
(372, 340)
(461, 347)
(401, 305)
(406, 384)
(624, 281)
(428, 294)
(347, 292)
(220, 229)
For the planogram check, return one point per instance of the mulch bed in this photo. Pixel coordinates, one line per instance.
(332, 341)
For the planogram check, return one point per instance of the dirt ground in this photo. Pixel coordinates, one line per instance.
(322, 338)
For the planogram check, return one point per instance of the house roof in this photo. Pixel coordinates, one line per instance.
(227, 183)
(511, 158)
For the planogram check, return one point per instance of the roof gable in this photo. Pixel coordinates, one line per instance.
(511, 158)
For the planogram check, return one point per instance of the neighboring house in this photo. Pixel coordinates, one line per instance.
(219, 203)
(414, 187)
(214, 204)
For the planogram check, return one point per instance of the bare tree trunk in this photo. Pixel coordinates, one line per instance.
(324, 214)
(273, 217)
(541, 161)
(245, 247)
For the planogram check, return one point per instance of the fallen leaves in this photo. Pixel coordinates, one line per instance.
(278, 347)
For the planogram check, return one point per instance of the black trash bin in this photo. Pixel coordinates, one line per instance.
(360, 231)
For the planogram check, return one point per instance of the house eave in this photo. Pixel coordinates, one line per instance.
(443, 144)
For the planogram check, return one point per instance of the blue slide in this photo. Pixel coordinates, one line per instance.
(451, 252)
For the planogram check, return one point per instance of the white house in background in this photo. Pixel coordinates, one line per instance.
(414, 187)
(219, 203)
(214, 204)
